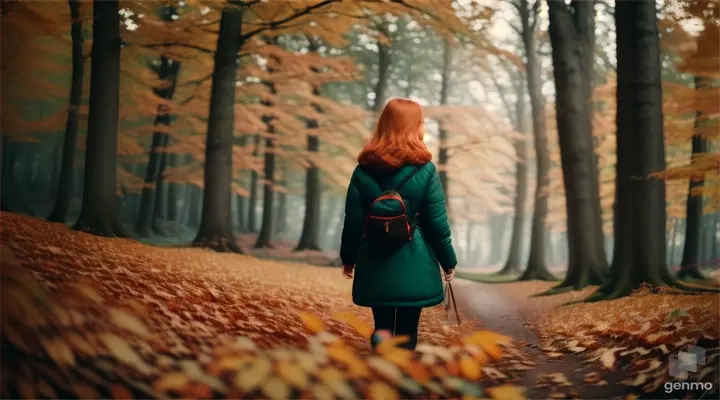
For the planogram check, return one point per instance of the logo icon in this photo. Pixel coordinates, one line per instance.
(686, 361)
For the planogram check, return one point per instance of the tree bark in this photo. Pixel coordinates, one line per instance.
(215, 230)
(691, 258)
(252, 203)
(536, 268)
(60, 210)
(264, 239)
(151, 195)
(174, 191)
(98, 214)
(640, 203)
(159, 209)
(587, 264)
(310, 236)
(443, 134)
(383, 72)
(498, 227)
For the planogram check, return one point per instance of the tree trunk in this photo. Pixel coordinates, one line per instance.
(98, 213)
(328, 218)
(673, 241)
(215, 230)
(151, 193)
(536, 268)
(264, 239)
(640, 203)
(310, 236)
(60, 210)
(173, 193)
(443, 134)
(160, 189)
(587, 263)
(383, 72)
(194, 206)
(691, 259)
(252, 204)
(498, 227)
(515, 250)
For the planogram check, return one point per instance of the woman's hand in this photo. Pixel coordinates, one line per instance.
(347, 270)
(449, 274)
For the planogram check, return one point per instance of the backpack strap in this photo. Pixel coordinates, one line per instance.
(407, 178)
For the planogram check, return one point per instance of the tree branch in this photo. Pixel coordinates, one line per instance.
(186, 45)
(279, 23)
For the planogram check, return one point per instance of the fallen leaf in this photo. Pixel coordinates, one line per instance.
(293, 374)
(507, 392)
(128, 322)
(470, 368)
(275, 389)
(380, 390)
(312, 322)
(257, 370)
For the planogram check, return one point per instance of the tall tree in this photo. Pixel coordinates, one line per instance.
(706, 53)
(640, 219)
(310, 236)
(59, 212)
(252, 201)
(167, 71)
(513, 263)
(215, 229)
(536, 268)
(98, 214)
(571, 34)
(443, 133)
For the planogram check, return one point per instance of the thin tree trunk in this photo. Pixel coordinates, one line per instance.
(673, 241)
(264, 239)
(587, 263)
(536, 268)
(160, 201)
(691, 258)
(173, 192)
(310, 236)
(98, 214)
(252, 205)
(383, 75)
(443, 134)
(498, 227)
(515, 250)
(215, 230)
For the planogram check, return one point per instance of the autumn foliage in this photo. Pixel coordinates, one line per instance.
(128, 320)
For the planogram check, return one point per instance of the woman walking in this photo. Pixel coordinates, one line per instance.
(396, 233)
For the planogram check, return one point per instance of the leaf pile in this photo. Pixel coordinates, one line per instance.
(89, 317)
(638, 334)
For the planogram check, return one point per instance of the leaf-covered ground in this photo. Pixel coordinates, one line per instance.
(631, 339)
(91, 317)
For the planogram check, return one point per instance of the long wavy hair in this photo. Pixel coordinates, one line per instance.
(398, 137)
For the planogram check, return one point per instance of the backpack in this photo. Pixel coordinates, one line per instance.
(386, 221)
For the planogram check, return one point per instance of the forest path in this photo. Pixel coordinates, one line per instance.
(499, 313)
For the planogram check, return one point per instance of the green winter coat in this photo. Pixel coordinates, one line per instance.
(409, 277)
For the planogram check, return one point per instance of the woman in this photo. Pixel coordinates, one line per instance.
(398, 282)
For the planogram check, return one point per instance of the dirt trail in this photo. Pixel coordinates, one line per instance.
(497, 312)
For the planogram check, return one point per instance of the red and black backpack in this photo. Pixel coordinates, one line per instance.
(386, 221)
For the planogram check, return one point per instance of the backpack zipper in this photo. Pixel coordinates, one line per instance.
(387, 227)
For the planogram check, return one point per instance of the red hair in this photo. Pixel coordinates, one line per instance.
(398, 137)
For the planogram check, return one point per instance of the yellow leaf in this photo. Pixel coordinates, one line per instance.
(356, 323)
(506, 392)
(175, 381)
(343, 354)
(489, 341)
(399, 356)
(122, 351)
(59, 351)
(388, 344)
(249, 378)
(275, 388)
(312, 322)
(293, 374)
(128, 322)
(335, 380)
(632, 397)
(380, 390)
(470, 368)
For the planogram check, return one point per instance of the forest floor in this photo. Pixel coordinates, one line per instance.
(84, 316)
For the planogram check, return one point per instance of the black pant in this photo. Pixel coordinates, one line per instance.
(401, 321)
